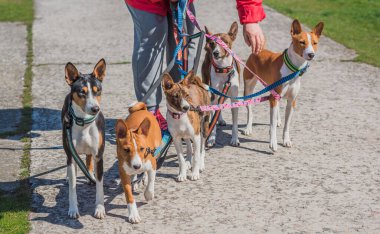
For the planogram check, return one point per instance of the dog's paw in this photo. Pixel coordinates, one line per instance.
(211, 141)
(149, 195)
(100, 212)
(73, 213)
(181, 177)
(188, 165)
(247, 131)
(133, 215)
(235, 142)
(287, 143)
(273, 146)
(279, 123)
(194, 176)
(222, 122)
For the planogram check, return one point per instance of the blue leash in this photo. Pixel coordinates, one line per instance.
(264, 90)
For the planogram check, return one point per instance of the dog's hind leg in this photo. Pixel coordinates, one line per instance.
(73, 202)
(181, 160)
(189, 153)
(249, 86)
(90, 166)
(273, 124)
(100, 211)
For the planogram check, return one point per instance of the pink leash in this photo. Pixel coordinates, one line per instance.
(221, 43)
(233, 105)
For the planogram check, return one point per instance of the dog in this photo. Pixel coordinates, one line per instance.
(83, 102)
(185, 123)
(272, 66)
(137, 138)
(217, 67)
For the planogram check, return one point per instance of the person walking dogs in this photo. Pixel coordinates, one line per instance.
(153, 36)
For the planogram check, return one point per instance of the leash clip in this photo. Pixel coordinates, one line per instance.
(79, 121)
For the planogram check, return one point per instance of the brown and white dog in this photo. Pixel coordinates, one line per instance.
(271, 67)
(216, 69)
(137, 137)
(83, 102)
(184, 123)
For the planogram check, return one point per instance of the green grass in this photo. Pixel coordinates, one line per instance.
(16, 10)
(15, 207)
(354, 23)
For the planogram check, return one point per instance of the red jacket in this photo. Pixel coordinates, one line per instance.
(250, 11)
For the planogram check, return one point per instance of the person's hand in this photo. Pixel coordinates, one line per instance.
(254, 37)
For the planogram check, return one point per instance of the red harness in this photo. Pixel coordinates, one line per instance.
(222, 69)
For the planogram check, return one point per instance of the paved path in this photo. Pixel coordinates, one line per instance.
(12, 67)
(329, 182)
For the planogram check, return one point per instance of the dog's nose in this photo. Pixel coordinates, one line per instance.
(216, 54)
(95, 109)
(137, 166)
(186, 108)
(311, 55)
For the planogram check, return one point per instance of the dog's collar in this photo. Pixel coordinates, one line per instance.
(81, 121)
(293, 67)
(222, 69)
(176, 115)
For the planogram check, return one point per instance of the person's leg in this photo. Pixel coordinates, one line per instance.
(172, 45)
(150, 39)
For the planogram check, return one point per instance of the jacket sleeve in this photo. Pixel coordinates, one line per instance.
(250, 11)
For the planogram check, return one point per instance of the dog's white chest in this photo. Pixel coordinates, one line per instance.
(292, 87)
(86, 139)
(219, 79)
(181, 127)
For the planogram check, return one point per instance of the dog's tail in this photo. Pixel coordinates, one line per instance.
(137, 107)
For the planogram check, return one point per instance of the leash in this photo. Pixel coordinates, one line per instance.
(221, 100)
(193, 19)
(68, 128)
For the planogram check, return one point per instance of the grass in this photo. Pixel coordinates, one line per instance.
(15, 207)
(354, 23)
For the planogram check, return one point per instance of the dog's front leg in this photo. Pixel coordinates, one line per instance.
(149, 191)
(73, 202)
(234, 91)
(203, 154)
(196, 160)
(249, 86)
(181, 160)
(100, 211)
(288, 118)
(273, 124)
(133, 214)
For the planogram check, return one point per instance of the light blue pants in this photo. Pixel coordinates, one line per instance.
(153, 36)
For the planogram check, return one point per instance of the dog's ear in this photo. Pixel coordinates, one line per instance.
(233, 31)
(144, 127)
(318, 29)
(209, 33)
(167, 81)
(71, 73)
(100, 70)
(121, 129)
(296, 27)
(188, 78)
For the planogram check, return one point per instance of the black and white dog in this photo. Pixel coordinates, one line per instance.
(82, 111)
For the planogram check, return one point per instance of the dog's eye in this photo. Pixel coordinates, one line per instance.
(302, 43)
(142, 148)
(315, 43)
(127, 150)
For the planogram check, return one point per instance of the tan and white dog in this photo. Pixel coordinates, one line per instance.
(137, 137)
(217, 68)
(184, 123)
(272, 66)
